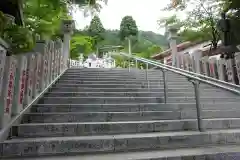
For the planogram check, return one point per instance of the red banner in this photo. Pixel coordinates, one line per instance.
(10, 90)
(23, 80)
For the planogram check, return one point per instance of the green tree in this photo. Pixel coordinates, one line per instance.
(128, 28)
(96, 31)
(80, 44)
(44, 17)
(14, 7)
(202, 16)
(92, 7)
(129, 31)
(232, 7)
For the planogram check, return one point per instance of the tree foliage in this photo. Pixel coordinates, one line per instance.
(128, 28)
(96, 31)
(202, 17)
(80, 44)
(232, 7)
(44, 17)
(19, 38)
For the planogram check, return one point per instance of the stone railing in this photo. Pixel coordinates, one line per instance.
(23, 77)
(213, 66)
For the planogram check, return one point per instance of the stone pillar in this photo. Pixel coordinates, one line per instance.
(230, 71)
(41, 49)
(6, 99)
(36, 68)
(173, 45)
(29, 78)
(197, 55)
(213, 67)
(188, 62)
(181, 62)
(237, 62)
(67, 28)
(205, 66)
(221, 69)
(19, 87)
(58, 46)
(2, 64)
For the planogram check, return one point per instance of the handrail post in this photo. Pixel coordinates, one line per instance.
(196, 84)
(136, 63)
(164, 85)
(129, 65)
(146, 70)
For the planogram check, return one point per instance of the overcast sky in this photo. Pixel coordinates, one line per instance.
(145, 12)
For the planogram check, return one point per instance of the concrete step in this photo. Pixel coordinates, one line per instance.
(204, 99)
(108, 94)
(135, 94)
(120, 82)
(219, 152)
(118, 79)
(81, 89)
(116, 85)
(122, 100)
(102, 75)
(114, 73)
(117, 143)
(32, 130)
(61, 117)
(98, 100)
(131, 107)
(179, 89)
(134, 85)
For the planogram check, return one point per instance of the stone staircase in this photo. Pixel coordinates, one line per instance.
(114, 114)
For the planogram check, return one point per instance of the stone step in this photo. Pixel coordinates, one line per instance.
(61, 117)
(114, 73)
(185, 86)
(122, 100)
(133, 85)
(98, 100)
(120, 82)
(204, 99)
(219, 152)
(116, 85)
(108, 94)
(134, 94)
(131, 107)
(117, 143)
(32, 130)
(120, 74)
(118, 79)
(123, 73)
(131, 89)
(79, 89)
(102, 75)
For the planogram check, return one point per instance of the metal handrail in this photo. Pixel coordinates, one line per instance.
(196, 79)
(189, 75)
(196, 74)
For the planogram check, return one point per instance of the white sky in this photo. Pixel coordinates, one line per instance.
(145, 12)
